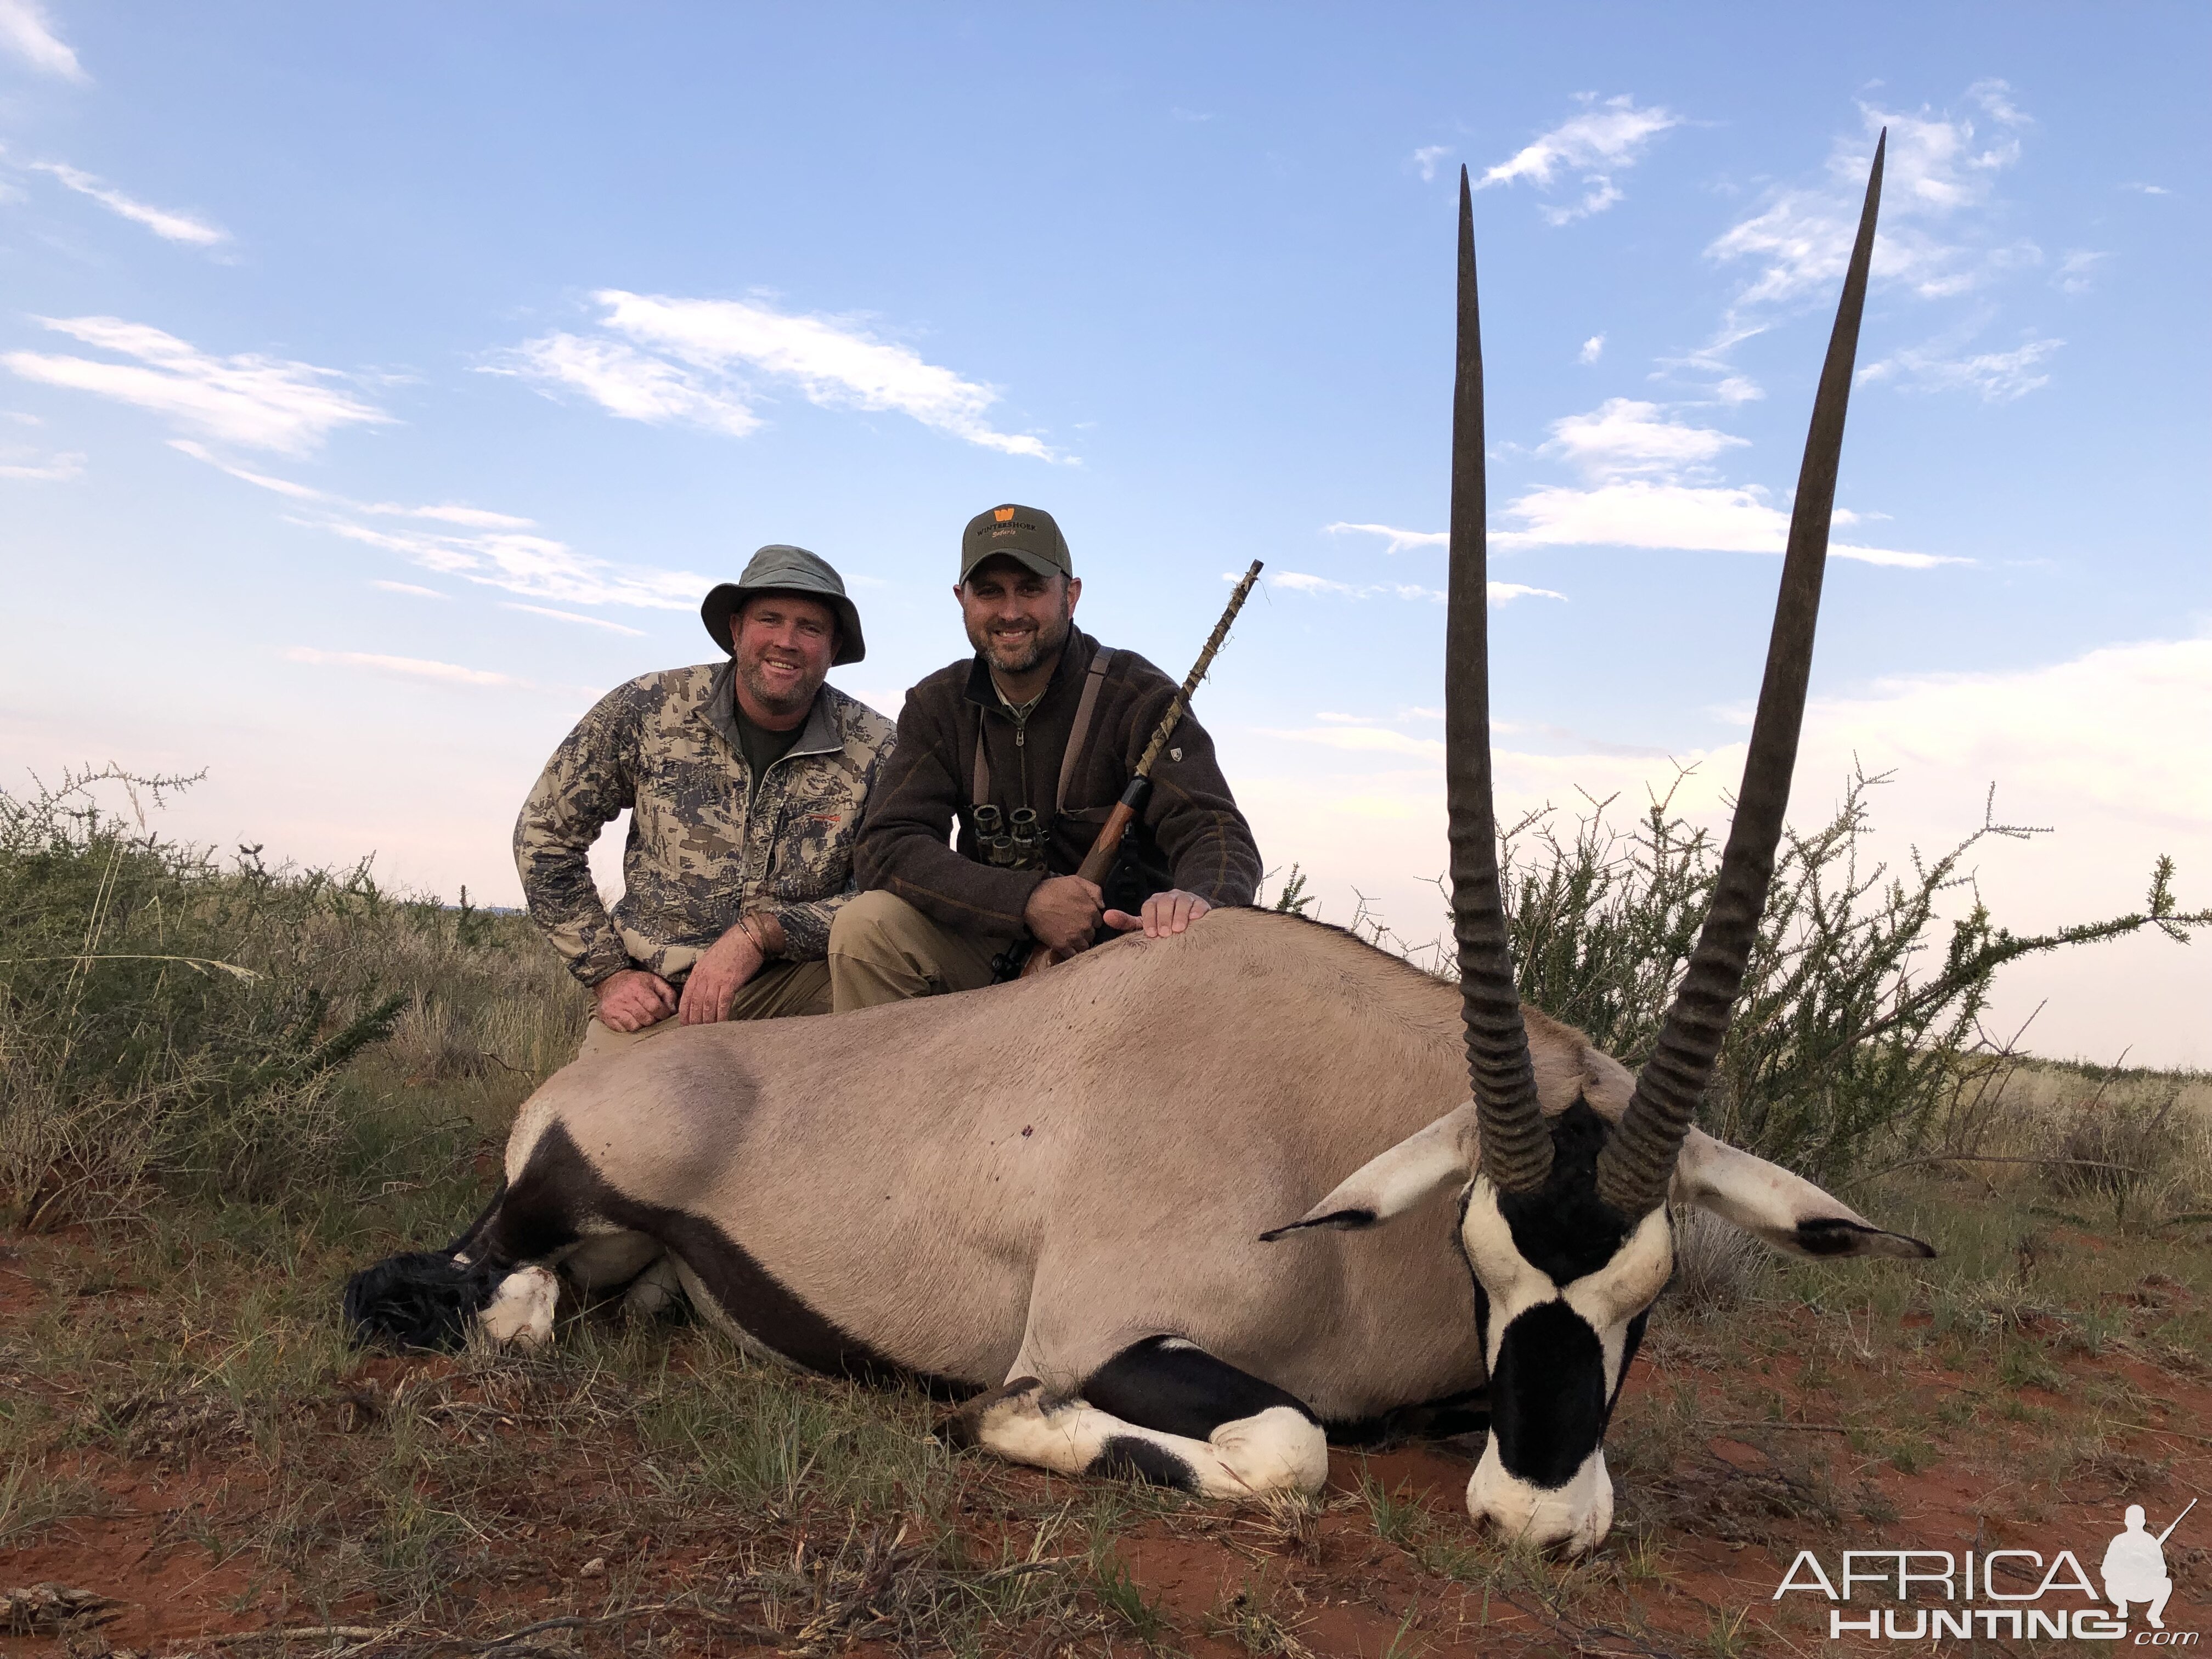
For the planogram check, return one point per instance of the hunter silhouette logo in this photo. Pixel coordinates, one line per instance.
(2011, 1593)
(2134, 1567)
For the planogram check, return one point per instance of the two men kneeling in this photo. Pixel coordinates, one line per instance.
(788, 849)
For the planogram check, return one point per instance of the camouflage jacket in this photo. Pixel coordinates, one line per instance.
(665, 747)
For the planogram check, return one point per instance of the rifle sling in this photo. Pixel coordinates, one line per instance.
(1079, 736)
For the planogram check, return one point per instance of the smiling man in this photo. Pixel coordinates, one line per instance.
(746, 782)
(1024, 748)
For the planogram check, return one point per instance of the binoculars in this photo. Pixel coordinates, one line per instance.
(1012, 841)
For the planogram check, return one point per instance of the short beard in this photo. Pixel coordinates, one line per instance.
(790, 703)
(1043, 645)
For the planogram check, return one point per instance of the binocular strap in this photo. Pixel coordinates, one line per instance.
(1078, 736)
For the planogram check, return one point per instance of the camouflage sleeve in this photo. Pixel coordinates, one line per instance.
(589, 782)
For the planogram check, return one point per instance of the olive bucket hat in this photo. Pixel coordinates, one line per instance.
(780, 569)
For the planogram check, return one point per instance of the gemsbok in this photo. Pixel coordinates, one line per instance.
(1087, 1200)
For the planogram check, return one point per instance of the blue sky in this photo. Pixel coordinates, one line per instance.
(378, 386)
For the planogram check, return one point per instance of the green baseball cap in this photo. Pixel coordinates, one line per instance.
(780, 569)
(1024, 533)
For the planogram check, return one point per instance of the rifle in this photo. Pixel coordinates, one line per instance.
(1099, 862)
(2177, 1521)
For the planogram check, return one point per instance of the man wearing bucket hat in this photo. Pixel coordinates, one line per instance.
(1024, 748)
(746, 780)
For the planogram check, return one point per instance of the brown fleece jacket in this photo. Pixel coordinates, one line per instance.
(1191, 827)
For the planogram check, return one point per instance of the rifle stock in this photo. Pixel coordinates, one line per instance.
(1099, 862)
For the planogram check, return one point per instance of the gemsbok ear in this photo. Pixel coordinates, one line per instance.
(1394, 1181)
(1786, 1211)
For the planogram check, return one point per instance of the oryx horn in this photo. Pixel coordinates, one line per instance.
(1637, 1161)
(1516, 1146)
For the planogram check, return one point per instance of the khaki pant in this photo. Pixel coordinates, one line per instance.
(781, 988)
(884, 950)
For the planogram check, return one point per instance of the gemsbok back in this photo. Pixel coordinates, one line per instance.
(1087, 1200)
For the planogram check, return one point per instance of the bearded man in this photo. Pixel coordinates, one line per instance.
(1023, 748)
(746, 782)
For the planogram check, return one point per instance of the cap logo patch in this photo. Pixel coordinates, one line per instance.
(1002, 513)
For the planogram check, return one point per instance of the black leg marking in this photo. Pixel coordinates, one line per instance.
(1455, 1414)
(470, 1234)
(1134, 1459)
(559, 1188)
(1164, 1384)
(422, 1299)
(964, 1429)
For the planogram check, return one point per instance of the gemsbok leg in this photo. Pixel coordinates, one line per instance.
(1162, 1410)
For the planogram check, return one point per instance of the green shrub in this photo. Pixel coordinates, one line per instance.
(163, 1018)
(1859, 1026)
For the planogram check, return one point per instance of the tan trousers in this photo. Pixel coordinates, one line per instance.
(781, 988)
(884, 950)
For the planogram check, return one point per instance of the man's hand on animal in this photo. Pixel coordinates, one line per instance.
(632, 999)
(718, 976)
(1164, 914)
(1063, 914)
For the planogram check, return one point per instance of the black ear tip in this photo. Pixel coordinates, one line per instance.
(1343, 1220)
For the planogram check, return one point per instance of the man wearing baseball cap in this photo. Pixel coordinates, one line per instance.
(745, 781)
(1024, 748)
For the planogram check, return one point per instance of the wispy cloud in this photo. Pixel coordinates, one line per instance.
(1399, 540)
(26, 33)
(492, 549)
(412, 668)
(627, 382)
(1645, 512)
(30, 467)
(1650, 485)
(573, 617)
(1941, 169)
(200, 452)
(1362, 740)
(1424, 159)
(2148, 189)
(263, 402)
(1996, 377)
(1604, 139)
(2074, 275)
(535, 567)
(1623, 437)
(409, 589)
(170, 226)
(1498, 592)
(1593, 349)
(700, 362)
(475, 517)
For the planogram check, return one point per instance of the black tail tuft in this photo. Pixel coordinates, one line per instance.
(418, 1299)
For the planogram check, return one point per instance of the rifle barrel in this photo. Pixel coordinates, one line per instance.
(1174, 716)
(2176, 1521)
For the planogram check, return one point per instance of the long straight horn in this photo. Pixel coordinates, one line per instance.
(1516, 1148)
(1637, 1161)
